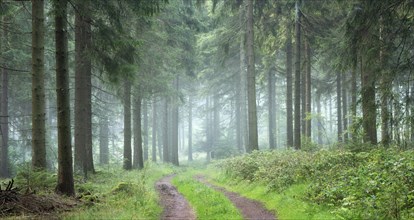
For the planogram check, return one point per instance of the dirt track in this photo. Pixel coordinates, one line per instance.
(175, 205)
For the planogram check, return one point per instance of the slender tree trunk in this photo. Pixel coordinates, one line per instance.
(344, 108)
(38, 87)
(319, 112)
(297, 132)
(65, 183)
(308, 89)
(175, 127)
(104, 140)
(4, 114)
(83, 90)
(145, 130)
(369, 116)
(339, 106)
(190, 128)
(251, 80)
(354, 87)
(165, 148)
(289, 101)
(216, 134)
(243, 81)
(138, 162)
(127, 126)
(271, 109)
(154, 130)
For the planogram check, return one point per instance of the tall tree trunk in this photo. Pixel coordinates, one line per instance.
(38, 87)
(127, 126)
(4, 113)
(243, 81)
(289, 101)
(369, 116)
(251, 80)
(344, 108)
(339, 106)
(104, 140)
(297, 127)
(216, 134)
(83, 89)
(190, 128)
(319, 112)
(271, 109)
(308, 89)
(145, 130)
(65, 183)
(354, 87)
(174, 123)
(138, 153)
(165, 147)
(154, 130)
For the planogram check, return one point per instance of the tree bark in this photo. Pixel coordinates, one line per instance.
(165, 147)
(145, 130)
(354, 87)
(65, 183)
(38, 87)
(83, 89)
(174, 123)
(319, 112)
(308, 89)
(344, 108)
(369, 116)
(4, 113)
(190, 128)
(251, 80)
(154, 130)
(271, 109)
(339, 106)
(297, 127)
(127, 126)
(244, 132)
(138, 153)
(104, 140)
(289, 92)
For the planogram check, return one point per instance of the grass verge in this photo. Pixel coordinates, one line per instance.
(207, 203)
(119, 194)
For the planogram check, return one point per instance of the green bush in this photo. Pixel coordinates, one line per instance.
(373, 184)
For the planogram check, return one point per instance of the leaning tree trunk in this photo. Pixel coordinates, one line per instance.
(65, 171)
(38, 87)
(138, 153)
(127, 126)
(271, 109)
(4, 113)
(289, 101)
(297, 131)
(339, 106)
(83, 90)
(369, 116)
(251, 80)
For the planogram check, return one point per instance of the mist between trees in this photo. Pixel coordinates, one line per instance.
(87, 83)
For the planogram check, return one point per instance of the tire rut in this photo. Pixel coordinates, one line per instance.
(174, 204)
(250, 209)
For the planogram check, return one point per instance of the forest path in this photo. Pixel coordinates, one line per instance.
(250, 209)
(175, 205)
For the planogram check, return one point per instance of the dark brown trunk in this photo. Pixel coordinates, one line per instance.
(65, 183)
(38, 88)
(138, 153)
(289, 92)
(127, 126)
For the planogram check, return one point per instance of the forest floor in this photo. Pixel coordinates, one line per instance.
(176, 206)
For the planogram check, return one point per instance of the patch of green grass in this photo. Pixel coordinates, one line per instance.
(120, 194)
(288, 204)
(207, 203)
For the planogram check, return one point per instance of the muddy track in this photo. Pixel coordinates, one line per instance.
(174, 204)
(250, 209)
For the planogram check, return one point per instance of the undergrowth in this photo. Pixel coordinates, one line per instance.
(376, 184)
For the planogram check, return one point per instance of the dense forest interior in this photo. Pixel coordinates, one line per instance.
(302, 109)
